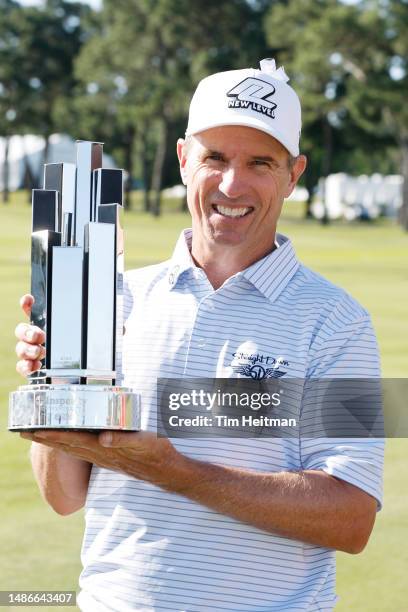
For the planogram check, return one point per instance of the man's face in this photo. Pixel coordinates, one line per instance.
(237, 178)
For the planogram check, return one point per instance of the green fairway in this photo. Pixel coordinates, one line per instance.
(40, 550)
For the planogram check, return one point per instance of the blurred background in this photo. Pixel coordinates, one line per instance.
(123, 72)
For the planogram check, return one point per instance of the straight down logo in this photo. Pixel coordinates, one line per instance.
(253, 93)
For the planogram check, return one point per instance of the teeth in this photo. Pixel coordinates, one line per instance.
(231, 212)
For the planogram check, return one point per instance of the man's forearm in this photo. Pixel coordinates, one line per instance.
(62, 479)
(310, 506)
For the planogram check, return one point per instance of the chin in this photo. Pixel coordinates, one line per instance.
(228, 238)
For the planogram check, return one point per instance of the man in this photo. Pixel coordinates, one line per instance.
(223, 523)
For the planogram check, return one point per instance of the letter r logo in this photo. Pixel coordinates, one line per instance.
(253, 90)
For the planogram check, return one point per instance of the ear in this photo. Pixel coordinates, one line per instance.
(182, 157)
(296, 172)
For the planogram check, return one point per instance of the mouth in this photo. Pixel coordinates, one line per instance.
(232, 212)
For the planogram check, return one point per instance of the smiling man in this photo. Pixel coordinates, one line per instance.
(233, 524)
(237, 178)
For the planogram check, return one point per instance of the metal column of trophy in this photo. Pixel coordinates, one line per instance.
(77, 282)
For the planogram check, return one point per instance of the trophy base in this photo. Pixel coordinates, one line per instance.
(74, 407)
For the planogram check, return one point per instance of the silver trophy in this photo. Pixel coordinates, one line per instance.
(77, 263)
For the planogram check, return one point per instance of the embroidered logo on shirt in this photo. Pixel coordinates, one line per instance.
(259, 366)
(257, 372)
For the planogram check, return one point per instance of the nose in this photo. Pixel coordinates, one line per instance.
(233, 183)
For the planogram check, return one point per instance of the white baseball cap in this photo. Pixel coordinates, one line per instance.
(260, 99)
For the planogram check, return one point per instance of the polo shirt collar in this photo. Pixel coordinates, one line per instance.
(272, 273)
(181, 259)
(269, 275)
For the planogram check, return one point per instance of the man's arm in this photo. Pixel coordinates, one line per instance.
(62, 479)
(310, 506)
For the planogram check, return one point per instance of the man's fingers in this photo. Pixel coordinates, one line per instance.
(26, 367)
(69, 438)
(26, 303)
(33, 352)
(30, 333)
(126, 438)
(27, 435)
(29, 349)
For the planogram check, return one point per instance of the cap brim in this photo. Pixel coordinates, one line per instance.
(251, 122)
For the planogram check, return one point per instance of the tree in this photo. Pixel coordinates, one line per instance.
(340, 58)
(148, 58)
(38, 48)
(50, 39)
(14, 90)
(395, 112)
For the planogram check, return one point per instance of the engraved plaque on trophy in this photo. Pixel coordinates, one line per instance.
(77, 284)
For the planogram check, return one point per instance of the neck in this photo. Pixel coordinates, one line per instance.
(221, 264)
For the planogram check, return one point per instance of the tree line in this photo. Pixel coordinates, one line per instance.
(124, 75)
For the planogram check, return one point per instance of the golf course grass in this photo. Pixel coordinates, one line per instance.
(40, 550)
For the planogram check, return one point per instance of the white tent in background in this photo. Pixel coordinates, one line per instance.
(361, 197)
(390, 195)
(299, 194)
(29, 150)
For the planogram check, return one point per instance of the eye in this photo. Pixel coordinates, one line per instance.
(214, 157)
(262, 163)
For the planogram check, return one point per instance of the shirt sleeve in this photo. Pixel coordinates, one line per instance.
(343, 350)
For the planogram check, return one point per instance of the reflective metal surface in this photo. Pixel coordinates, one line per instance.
(107, 188)
(113, 213)
(61, 177)
(67, 227)
(77, 407)
(68, 188)
(66, 308)
(89, 158)
(77, 283)
(100, 307)
(45, 210)
(42, 244)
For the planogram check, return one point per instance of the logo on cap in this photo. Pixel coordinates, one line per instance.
(253, 93)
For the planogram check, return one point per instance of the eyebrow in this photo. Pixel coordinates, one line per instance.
(211, 152)
(266, 158)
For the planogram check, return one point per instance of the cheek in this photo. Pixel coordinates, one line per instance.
(195, 198)
(200, 186)
(273, 189)
(268, 193)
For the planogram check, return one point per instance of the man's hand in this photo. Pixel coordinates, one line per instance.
(62, 479)
(29, 347)
(141, 454)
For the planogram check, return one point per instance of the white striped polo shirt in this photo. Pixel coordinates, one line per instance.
(146, 549)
